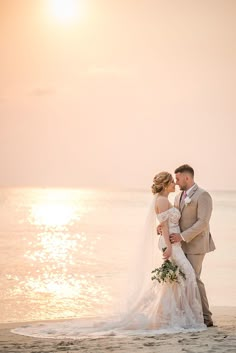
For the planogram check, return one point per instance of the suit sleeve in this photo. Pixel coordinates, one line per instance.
(204, 210)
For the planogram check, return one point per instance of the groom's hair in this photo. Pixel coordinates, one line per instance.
(185, 168)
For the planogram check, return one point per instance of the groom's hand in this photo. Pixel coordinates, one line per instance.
(175, 238)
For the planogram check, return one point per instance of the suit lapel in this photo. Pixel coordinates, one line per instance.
(192, 192)
(181, 204)
(194, 189)
(177, 200)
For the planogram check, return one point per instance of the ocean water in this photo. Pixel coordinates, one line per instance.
(64, 252)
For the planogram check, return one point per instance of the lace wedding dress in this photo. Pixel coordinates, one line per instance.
(160, 308)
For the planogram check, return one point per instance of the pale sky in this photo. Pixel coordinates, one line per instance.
(115, 94)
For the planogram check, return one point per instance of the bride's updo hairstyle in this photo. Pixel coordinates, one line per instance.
(161, 181)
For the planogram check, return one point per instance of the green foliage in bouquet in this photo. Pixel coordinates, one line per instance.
(168, 272)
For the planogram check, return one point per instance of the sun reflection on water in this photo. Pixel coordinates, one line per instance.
(57, 207)
(51, 247)
(52, 214)
(62, 257)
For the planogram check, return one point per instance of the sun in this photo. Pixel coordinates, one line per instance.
(66, 11)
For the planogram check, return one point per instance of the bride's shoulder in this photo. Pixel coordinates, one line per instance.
(162, 204)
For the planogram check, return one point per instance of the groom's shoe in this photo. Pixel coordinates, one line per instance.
(209, 323)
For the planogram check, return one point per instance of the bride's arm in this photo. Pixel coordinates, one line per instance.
(162, 205)
(165, 233)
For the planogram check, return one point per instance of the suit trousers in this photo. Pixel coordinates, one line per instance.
(196, 262)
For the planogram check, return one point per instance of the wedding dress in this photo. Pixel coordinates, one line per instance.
(158, 308)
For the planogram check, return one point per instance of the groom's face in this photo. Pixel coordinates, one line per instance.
(181, 180)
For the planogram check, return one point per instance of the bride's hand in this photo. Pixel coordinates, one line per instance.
(167, 253)
(159, 230)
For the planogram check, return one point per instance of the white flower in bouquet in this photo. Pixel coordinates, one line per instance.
(168, 272)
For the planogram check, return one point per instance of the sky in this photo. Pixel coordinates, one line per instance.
(116, 92)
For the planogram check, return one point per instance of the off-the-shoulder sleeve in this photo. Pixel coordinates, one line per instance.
(163, 216)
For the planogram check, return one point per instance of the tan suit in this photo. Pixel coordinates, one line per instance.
(194, 226)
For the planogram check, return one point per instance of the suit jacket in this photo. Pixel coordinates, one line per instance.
(194, 221)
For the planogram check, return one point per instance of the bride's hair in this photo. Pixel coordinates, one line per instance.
(161, 181)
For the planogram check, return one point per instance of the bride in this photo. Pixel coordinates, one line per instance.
(151, 307)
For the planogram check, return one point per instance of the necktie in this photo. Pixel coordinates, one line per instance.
(183, 198)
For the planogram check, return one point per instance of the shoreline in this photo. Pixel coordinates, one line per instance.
(220, 338)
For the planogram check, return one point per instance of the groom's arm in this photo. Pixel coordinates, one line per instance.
(203, 217)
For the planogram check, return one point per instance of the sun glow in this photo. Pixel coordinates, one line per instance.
(66, 11)
(52, 214)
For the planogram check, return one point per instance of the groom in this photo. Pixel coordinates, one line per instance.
(195, 205)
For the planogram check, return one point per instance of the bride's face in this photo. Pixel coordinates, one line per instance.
(171, 186)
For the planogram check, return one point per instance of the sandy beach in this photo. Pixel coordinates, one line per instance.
(220, 338)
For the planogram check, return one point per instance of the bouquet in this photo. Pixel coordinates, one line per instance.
(168, 272)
